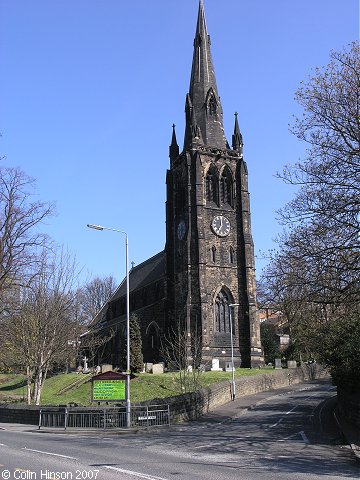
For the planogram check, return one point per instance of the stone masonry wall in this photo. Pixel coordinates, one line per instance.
(10, 413)
(193, 405)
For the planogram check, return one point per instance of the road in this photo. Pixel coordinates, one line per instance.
(287, 434)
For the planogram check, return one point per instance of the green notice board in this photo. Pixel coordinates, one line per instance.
(108, 390)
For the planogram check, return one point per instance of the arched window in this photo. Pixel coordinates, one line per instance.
(231, 255)
(158, 290)
(211, 185)
(213, 254)
(211, 102)
(212, 105)
(180, 196)
(152, 345)
(222, 313)
(226, 188)
(153, 337)
(144, 296)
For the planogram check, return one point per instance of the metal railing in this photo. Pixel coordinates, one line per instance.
(104, 418)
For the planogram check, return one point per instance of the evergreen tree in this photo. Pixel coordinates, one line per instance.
(270, 343)
(136, 356)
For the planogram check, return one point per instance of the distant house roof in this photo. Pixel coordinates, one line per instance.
(276, 321)
(275, 318)
(145, 273)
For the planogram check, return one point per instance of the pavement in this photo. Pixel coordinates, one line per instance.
(222, 414)
(350, 432)
(240, 405)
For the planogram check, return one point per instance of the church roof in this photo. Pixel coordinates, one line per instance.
(147, 272)
(143, 274)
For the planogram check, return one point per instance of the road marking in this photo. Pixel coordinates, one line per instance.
(304, 437)
(3, 445)
(302, 434)
(282, 418)
(48, 453)
(135, 474)
(209, 445)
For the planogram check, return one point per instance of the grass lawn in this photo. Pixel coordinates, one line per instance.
(144, 387)
(12, 387)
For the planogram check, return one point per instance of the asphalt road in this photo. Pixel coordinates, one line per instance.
(288, 434)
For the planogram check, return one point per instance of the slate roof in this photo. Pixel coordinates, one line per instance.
(143, 274)
(147, 272)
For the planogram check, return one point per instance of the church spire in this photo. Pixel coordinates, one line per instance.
(237, 141)
(174, 147)
(203, 107)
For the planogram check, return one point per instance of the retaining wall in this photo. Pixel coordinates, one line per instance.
(12, 413)
(193, 405)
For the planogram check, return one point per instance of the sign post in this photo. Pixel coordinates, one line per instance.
(108, 387)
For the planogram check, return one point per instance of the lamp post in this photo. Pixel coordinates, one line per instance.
(128, 404)
(231, 306)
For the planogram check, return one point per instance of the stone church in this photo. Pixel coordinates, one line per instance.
(208, 261)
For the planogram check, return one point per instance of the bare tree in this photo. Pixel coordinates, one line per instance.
(315, 277)
(182, 353)
(39, 331)
(94, 294)
(329, 178)
(95, 344)
(20, 215)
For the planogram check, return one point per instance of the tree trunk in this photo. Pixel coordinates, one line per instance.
(28, 384)
(38, 385)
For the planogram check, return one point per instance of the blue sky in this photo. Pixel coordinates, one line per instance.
(89, 90)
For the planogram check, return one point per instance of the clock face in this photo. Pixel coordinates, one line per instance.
(221, 226)
(181, 229)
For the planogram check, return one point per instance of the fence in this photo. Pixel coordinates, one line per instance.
(104, 418)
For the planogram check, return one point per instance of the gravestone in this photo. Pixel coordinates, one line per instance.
(228, 367)
(106, 367)
(291, 364)
(157, 368)
(148, 367)
(278, 363)
(215, 365)
(85, 368)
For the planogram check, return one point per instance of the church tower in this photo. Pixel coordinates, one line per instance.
(209, 246)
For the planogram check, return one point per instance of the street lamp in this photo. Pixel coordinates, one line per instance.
(128, 404)
(231, 306)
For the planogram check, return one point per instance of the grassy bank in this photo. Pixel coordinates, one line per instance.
(76, 388)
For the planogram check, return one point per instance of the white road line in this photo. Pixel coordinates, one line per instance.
(276, 424)
(287, 413)
(3, 445)
(289, 439)
(208, 445)
(48, 453)
(135, 474)
(304, 437)
(281, 419)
